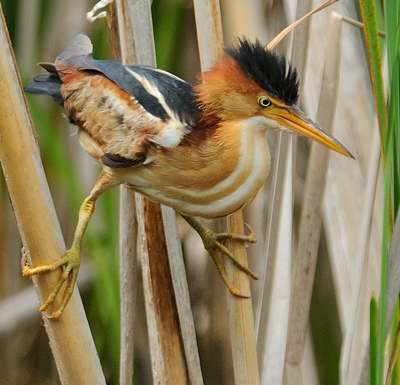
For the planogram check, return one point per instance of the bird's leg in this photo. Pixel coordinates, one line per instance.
(215, 248)
(70, 261)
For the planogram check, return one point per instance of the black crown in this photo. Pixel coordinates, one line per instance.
(270, 71)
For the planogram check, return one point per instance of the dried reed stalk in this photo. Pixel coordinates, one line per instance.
(128, 282)
(300, 20)
(275, 298)
(240, 313)
(181, 289)
(124, 47)
(70, 339)
(355, 340)
(274, 303)
(299, 56)
(173, 343)
(311, 218)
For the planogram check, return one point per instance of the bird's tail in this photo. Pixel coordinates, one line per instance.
(47, 84)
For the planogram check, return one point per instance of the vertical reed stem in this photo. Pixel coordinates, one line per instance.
(70, 339)
(170, 365)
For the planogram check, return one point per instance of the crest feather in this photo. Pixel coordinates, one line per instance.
(270, 71)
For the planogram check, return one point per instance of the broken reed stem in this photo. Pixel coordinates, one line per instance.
(240, 313)
(281, 35)
(358, 24)
(70, 339)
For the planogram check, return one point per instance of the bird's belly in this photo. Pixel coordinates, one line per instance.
(219, 199)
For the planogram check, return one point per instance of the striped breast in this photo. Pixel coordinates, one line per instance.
(210, 180)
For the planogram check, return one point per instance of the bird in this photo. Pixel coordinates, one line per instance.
(200, 149)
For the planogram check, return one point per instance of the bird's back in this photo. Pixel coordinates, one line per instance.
(122, 110)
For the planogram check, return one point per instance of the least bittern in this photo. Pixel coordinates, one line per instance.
(201, 150)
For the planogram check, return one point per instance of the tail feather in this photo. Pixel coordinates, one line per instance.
(49, 67)
(50, 83)
(46, 84)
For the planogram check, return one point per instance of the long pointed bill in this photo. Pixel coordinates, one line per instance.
(294, 119)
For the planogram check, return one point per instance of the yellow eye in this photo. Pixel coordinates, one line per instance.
(264, 102)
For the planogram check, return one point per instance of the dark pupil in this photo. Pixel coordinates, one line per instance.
(265, 102)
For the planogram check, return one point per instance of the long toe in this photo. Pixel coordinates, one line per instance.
(246, 238)
(239, 264)
(69, 289)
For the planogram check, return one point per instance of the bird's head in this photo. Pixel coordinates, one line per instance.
(250, 81)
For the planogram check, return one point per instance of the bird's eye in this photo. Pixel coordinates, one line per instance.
(264, 102)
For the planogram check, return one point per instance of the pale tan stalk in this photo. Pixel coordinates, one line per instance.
(70, 339)
(128, 282)
(274, 303)
(274, 309)
(240, 313)
(355, 344)
(311, 218)
(172, 342)
(181, 289)
(124, 47)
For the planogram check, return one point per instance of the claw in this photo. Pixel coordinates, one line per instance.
(235, 261)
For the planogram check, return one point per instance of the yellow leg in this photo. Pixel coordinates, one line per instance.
(212, 244)
(70, 261)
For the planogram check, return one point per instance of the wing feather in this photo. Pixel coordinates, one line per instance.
(167, 101)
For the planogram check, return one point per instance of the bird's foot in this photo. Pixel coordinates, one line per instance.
(69, 264)
(215, 248)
